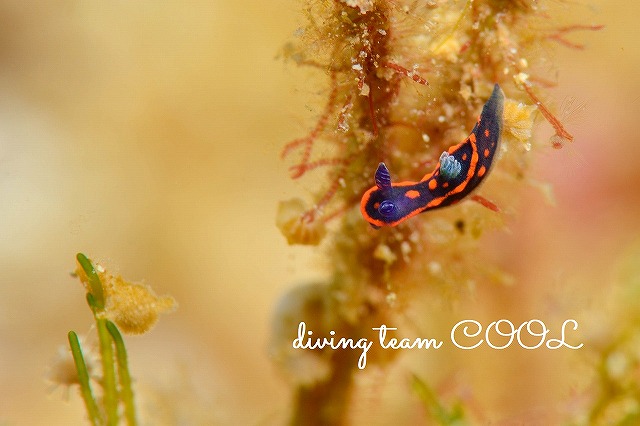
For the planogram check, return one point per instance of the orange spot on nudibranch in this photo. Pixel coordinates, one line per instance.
(445, 185)
(464, 157)
(486, 153)
(412, 194)
(482, 171)
(433, 184)
(376, 205)
(486, 132)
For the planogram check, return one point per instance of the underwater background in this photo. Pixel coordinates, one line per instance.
(148, 136)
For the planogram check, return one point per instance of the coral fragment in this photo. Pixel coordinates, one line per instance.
(297, 226)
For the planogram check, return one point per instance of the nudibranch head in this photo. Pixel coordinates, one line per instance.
(386, 204)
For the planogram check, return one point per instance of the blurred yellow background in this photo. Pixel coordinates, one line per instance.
(147, 135)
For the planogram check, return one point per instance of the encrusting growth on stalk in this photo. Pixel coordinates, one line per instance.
(133, 307)
(400, 74)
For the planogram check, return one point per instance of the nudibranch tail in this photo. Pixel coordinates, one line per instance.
(461, 169)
